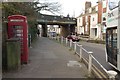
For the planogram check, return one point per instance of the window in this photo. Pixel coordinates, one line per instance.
(93, 9)
(17, 31)
(93, 19)
(55, 17)
(109, 38)
(112, 4)
(115, 38)
(104, 19)
(95, 31)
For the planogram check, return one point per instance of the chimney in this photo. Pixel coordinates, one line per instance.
(87, 5)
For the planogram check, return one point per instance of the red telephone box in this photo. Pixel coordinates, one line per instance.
(18, 28)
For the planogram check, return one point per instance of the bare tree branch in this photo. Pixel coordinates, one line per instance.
(53, 7)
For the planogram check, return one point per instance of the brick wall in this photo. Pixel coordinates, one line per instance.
(99, 11)
(89, 24)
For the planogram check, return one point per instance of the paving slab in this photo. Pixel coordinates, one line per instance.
(49, 59)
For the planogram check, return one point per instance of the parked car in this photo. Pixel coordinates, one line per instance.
(73, 37)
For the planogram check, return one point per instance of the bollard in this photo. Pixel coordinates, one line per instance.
(80, 53)
(70, 43)
(61, 39)
(66, 41)
(58, 38)
(111, 74)
(90, 64)
(74, 46)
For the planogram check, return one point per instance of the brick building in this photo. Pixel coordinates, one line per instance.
(92, 21)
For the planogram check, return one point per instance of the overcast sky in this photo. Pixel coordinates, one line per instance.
(72, 7)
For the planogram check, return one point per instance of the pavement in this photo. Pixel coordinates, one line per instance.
(49, 59)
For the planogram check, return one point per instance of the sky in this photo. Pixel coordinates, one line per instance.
(73, 7)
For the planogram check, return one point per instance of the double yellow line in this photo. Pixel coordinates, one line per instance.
(97, 72)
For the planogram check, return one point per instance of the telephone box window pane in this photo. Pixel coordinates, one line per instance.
(17, 31)
(18, 27)
(19, 35)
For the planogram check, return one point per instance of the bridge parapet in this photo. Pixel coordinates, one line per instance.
(50, 19)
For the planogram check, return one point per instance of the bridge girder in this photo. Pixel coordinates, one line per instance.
(55, 20)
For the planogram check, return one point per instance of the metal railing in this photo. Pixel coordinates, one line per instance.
(79, 51)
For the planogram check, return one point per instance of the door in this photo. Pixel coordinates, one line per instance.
(111, 45)
(18, 33)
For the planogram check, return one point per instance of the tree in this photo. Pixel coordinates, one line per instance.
(29, 9)
(53, 7)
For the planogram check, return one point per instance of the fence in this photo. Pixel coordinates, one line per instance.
(88, 58)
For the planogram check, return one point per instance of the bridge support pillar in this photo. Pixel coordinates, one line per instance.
(44, 30)
(72, 29)
(64, 31)
(67, 30)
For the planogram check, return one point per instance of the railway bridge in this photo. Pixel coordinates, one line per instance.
(66, 24)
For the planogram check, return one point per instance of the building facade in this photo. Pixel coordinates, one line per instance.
(80, 26)
(83, 21)
(94, 27)
(93, 21)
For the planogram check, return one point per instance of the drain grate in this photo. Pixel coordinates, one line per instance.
(73, 64)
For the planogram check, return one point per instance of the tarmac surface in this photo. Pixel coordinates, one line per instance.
(49, 59)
